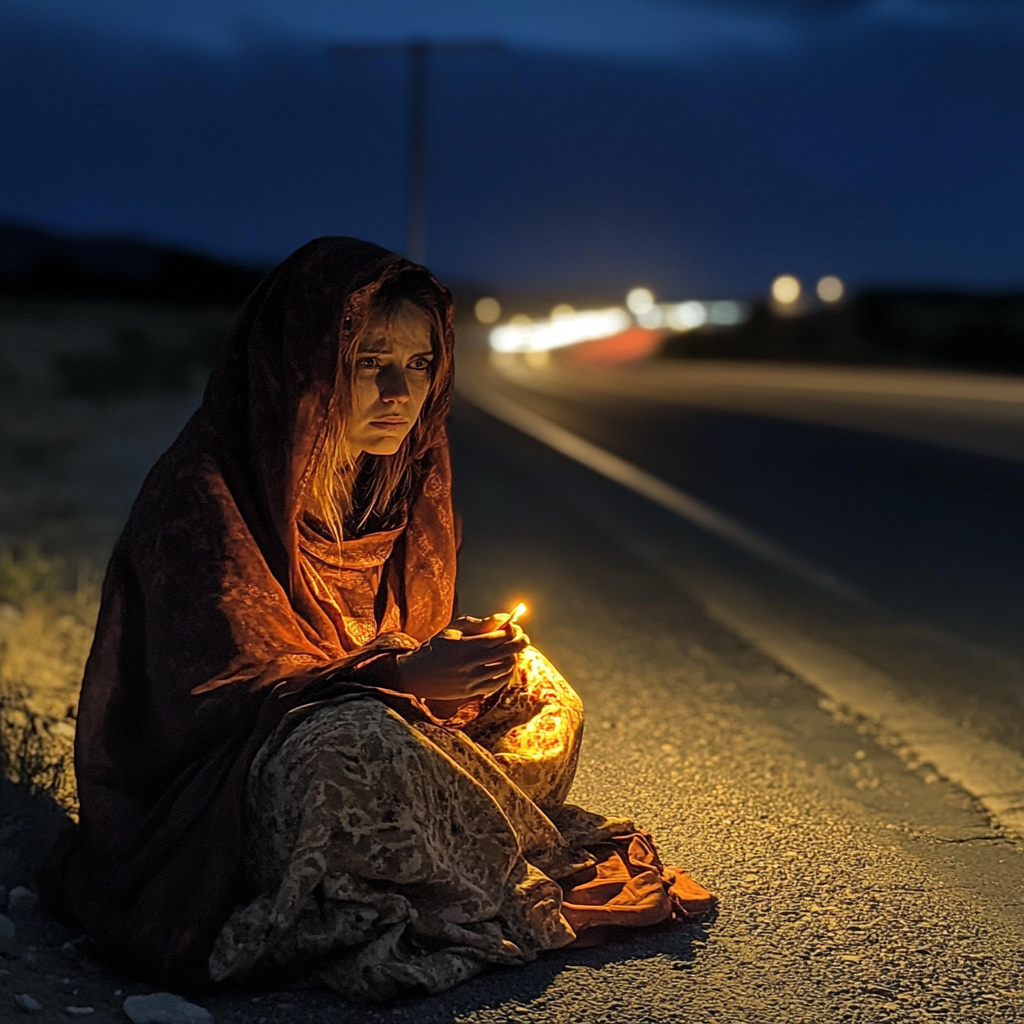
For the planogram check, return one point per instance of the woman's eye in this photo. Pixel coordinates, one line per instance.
(366, 363)
(419, 363)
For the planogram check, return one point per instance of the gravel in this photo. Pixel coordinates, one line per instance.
(164, 1008)
(21, 901)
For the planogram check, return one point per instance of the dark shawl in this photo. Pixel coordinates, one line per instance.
(208, 635)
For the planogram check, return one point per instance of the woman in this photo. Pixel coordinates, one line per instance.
(291, 759)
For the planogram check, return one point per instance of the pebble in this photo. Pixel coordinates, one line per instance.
(27, 1004)
(7, 929)
(78, 1011)
(164, 1008)
(21, 900)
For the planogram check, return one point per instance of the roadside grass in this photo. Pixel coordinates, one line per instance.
(88, 389)
(47, 615)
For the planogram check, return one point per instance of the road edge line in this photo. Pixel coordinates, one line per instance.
(986, 770)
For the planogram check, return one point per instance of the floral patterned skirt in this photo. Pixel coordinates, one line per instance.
(392, 856)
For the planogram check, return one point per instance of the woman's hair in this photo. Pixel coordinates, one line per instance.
(345, 491)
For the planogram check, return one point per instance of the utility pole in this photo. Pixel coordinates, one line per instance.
(417, 53)
(416, 222)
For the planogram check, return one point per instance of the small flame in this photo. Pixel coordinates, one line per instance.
(520, 609)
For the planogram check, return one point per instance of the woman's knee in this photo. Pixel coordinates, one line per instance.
(545, 683)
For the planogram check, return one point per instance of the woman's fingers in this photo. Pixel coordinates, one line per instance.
(492, 683)
(495, 638)
(493, 645)
(471, 626)
(455, 666)
(467, 652)
(491, 670)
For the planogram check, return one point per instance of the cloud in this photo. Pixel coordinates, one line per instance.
(659, 29)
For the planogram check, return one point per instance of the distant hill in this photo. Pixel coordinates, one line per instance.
(40, 264)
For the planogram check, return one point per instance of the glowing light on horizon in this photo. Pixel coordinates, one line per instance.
(786, 289)
(727, 313)
(687, 315)
(487, 310)
(652, 319)
(561, 310)
(830, 289)
(521, 334)
(640, 301)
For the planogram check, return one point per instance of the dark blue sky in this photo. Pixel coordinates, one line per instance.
(699, 148)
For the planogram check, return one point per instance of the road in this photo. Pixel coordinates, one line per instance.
(855, 884)
(904, 493)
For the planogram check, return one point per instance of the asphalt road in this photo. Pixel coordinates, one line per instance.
(853, 887)
(914, 503)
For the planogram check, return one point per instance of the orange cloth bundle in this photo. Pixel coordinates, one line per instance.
(629, 887)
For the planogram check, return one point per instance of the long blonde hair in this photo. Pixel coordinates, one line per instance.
(343, 492)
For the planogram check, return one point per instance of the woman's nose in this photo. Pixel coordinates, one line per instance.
(391, 384)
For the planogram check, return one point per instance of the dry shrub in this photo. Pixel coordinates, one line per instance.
(47, 616)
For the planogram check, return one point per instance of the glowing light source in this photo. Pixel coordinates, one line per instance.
(562, 309)
(786, 289)
(726, 313)
(687, 315)
(520, 609)
(520, 334)
(487, 310)
(830, 289)
(652, 319)
(640, 301)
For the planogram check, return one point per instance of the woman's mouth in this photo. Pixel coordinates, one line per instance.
(389, 421)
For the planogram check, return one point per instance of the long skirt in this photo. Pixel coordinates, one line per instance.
(393, 856)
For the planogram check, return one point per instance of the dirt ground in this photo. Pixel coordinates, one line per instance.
(90, 394)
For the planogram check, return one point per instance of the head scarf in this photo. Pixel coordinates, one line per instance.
(209, 634)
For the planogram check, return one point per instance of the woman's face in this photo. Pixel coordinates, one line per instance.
(390, 382)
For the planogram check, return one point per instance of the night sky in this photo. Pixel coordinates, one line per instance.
(700, 148)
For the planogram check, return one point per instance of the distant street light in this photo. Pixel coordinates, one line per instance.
(640, 301)
(417, 51)
(487, 310)
(830, 289)
(786, 290)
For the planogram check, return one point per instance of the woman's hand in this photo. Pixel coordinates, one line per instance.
(470, 626)
(458, 665)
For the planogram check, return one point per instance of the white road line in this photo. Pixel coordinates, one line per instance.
(988, 771)
(651, 487)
